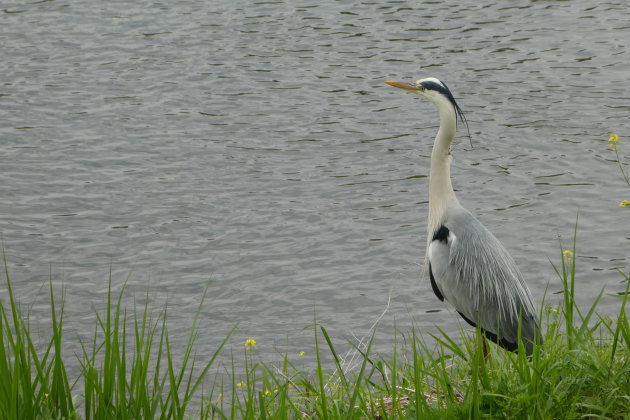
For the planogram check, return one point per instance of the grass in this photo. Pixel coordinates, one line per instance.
(128, 371)
(120, 379)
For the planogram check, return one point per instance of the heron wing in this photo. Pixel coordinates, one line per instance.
(477, 275)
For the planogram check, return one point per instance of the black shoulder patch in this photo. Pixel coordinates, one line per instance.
(434, 286)
(441, 234)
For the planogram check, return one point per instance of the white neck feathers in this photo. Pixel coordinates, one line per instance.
(441, 194)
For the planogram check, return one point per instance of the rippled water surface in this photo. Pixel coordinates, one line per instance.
(254, 147)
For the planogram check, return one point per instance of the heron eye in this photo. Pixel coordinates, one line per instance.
(420, 87)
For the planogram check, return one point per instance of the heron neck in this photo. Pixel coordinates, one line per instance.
(441, 194)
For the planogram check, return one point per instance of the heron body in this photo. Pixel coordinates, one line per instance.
(468, 266)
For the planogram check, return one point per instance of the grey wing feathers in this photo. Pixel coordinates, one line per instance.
(477, 275)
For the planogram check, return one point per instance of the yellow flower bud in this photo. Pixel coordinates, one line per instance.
(568, 254)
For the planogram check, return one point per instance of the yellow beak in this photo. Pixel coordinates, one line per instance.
(401, 85)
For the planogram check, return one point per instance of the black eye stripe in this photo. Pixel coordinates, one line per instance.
(444, 90)
(429, 85)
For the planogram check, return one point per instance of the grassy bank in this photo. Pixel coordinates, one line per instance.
(128, 371)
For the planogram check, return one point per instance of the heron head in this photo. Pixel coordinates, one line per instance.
(430, 88)
(433, 90)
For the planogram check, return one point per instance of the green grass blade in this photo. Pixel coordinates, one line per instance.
(359, 379)
(340, 371)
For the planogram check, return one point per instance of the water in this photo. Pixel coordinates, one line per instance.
(253, 147)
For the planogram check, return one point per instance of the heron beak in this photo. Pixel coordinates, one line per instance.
(401, 85)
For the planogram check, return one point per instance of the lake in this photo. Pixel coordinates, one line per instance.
(253, 148)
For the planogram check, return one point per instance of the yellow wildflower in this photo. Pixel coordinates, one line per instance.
(624, 203)
(612, 141)
(568, 255)
(250, 344)
(267, 393)
(46, 395)
(240, 384)
(303, 353)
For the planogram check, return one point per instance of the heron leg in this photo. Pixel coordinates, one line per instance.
(485, 348)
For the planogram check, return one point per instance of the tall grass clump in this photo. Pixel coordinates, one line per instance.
(127, 370)
(132, 373)
(33, 384)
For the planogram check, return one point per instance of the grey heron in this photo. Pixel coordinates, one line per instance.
(468, 266)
